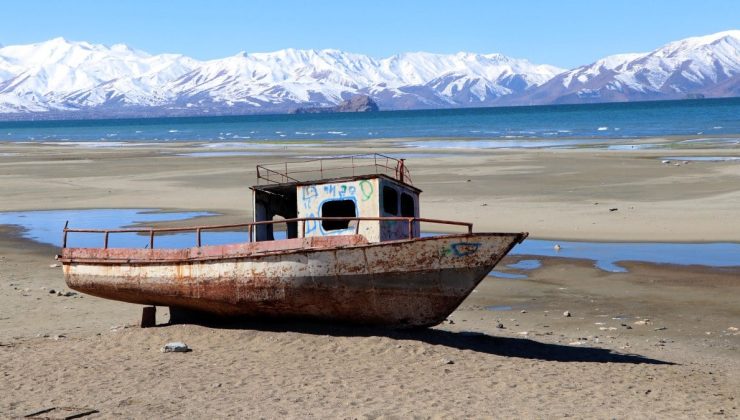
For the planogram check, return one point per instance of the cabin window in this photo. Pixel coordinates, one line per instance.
(407, 205)
(337, 208)
(390, 201)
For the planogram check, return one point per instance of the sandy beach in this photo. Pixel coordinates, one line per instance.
(658, 341)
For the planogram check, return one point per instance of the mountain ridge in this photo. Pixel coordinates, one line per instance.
(66, 79)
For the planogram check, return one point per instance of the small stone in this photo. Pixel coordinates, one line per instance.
(444, 361)
(54, 265)
(732, 329)
(642, 322)
(52, 291)
(613, 209)
(69, 294)
(217, 385)
(523, 311)
(660, 329)
(500, 325)
(556, 247)
(59, 337)
(566, 314)
(176, 347)
(449, 321)
(665, 162)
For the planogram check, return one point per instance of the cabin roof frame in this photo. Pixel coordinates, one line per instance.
(272, 188)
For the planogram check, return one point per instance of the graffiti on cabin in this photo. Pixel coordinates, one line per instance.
(367, 190)
(310, 192)
(359, 198)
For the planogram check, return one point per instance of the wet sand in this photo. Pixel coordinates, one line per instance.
(659, 341)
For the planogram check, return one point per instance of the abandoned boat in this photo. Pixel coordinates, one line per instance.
(352, 253)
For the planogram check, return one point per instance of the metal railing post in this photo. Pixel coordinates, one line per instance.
(64, 236)
(105, 240)
(151, 238)
(197, 231)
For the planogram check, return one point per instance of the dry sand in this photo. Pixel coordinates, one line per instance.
(604, 361)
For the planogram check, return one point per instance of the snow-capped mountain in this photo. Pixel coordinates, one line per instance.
(693, 67)
(59, 75)
(63, 75)
(71, 79)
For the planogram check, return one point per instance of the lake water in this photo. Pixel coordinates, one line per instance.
(548, 126)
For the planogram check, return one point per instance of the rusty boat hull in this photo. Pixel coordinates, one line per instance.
(404, 283)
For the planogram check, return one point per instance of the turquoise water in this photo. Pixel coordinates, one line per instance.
(611, 122)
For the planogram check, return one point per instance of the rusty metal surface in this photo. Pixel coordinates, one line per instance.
(413, 282)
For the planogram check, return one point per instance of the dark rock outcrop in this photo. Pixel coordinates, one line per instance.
(356, 103)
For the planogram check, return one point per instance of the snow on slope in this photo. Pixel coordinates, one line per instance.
(63, 75)
(689, 66)
(59, 74)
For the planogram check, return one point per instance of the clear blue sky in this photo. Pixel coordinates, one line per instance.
(564, 33)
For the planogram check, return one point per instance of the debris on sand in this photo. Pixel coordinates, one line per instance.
(176, 347)
(566, 314)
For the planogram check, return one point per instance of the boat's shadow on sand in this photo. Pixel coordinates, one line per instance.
(464, 340)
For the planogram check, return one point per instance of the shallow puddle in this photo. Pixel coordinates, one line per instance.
(526, 265)
(607, 255)
(503, 275)
(702, 158)
(46, 226)
(224, 154)
(499, 308)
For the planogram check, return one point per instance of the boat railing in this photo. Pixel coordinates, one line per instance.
(333, 167)
(410, 221)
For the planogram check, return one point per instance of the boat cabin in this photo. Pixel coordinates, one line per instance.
(373, 203)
